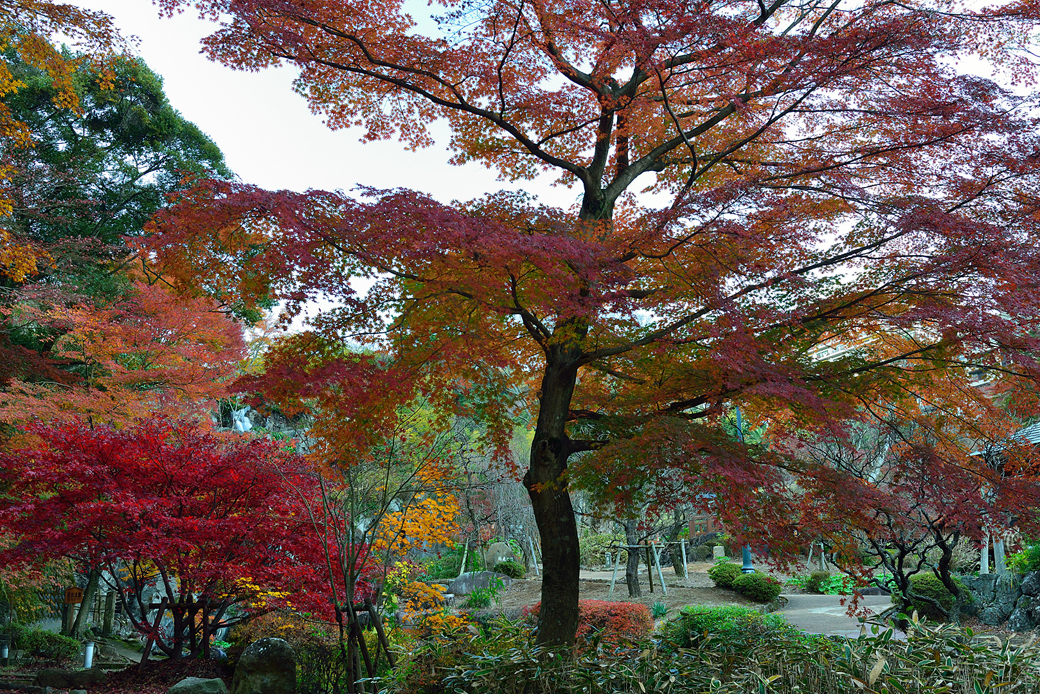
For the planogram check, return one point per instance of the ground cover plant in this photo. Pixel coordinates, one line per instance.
(730, 651)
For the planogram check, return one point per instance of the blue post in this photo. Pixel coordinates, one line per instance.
(747, 567)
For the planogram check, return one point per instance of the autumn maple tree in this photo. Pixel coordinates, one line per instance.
(216, 528)
(756, 182)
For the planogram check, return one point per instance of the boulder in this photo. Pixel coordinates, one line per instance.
(498, 551)
(199, 685)
(1033, 609)
(1031, 584)
(474, 580)
(1019, 621)
(991, 616)
(267, 666)
(70, 679)
(982, 587)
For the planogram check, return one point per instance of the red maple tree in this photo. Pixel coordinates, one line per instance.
(207, 531)
(822, 172)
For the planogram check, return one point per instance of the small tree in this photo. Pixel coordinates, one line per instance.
(216, 528)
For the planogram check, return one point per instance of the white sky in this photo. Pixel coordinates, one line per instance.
(268, 135)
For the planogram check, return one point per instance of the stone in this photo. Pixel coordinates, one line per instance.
(199, 685)
(1019, 621)
(718, 552)
(267, 666)
(498, 551)
(474, 580)
(982, 587)
(1031, 584)
(991, 616)
(77, 691)
(69, 679)
(1033, 609)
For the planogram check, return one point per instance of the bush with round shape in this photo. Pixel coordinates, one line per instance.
(758, 587)
(735, 628)
(814, 584)
(513, 569)
(723, 573)
(929, 586)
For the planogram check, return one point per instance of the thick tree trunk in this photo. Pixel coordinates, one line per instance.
(547, 485)
(632, 567)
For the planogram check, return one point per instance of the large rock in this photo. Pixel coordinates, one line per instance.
(991, 616)
(982, 587)
(473, 580)
(1033, 609)
(267, 666)
(198, 685)
(499, 551)
(70, 679)
(1019, 621)
(1031, 584)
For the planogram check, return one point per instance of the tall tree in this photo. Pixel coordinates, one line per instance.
(818, 170)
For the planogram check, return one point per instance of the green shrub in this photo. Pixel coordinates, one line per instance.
(658, 610)
(449, 564)
(593, 549)
(482, 598)
(743, 652)
(929, 586)
(816, 578)
(1027, 560)
(737, 628)
(723, 573)
(513, 569)
(42, 645)
(758, 587)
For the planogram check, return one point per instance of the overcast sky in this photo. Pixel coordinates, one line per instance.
(268, 135)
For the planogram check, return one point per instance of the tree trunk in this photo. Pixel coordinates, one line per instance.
(678, 523)
(88, 598)
(547, 484)
(632, 567)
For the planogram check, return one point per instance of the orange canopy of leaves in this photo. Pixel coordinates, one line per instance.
(152, 351)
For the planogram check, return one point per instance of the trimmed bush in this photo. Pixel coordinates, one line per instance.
(723, 573)
(513, 569)
(737, 628)
(930, 586)
(814, 584)
(614, 621)
(757, 587)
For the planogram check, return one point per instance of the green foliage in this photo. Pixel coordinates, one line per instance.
(449, 564)
(929, 586)
(727, 650)
(513, 569)
(736, 627)
(594, 548)
(723, 573)
(814, 583)
(658, 610)
(482, 598)
(758, 587)
(41, 645)
(1025, 560)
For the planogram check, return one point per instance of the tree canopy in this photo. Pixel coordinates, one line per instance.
(759, 182)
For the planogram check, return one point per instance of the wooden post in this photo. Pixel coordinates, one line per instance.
(649, 568)
(660, 573)
(534, 557)
(465, 555)
(613, 576)
(685, 564)
(984, 555)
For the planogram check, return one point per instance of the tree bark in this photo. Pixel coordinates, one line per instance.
(88, 598)
(547, 485)
(632, 567)
(678, 523)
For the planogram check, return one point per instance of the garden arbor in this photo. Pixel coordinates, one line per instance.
(820, 170)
